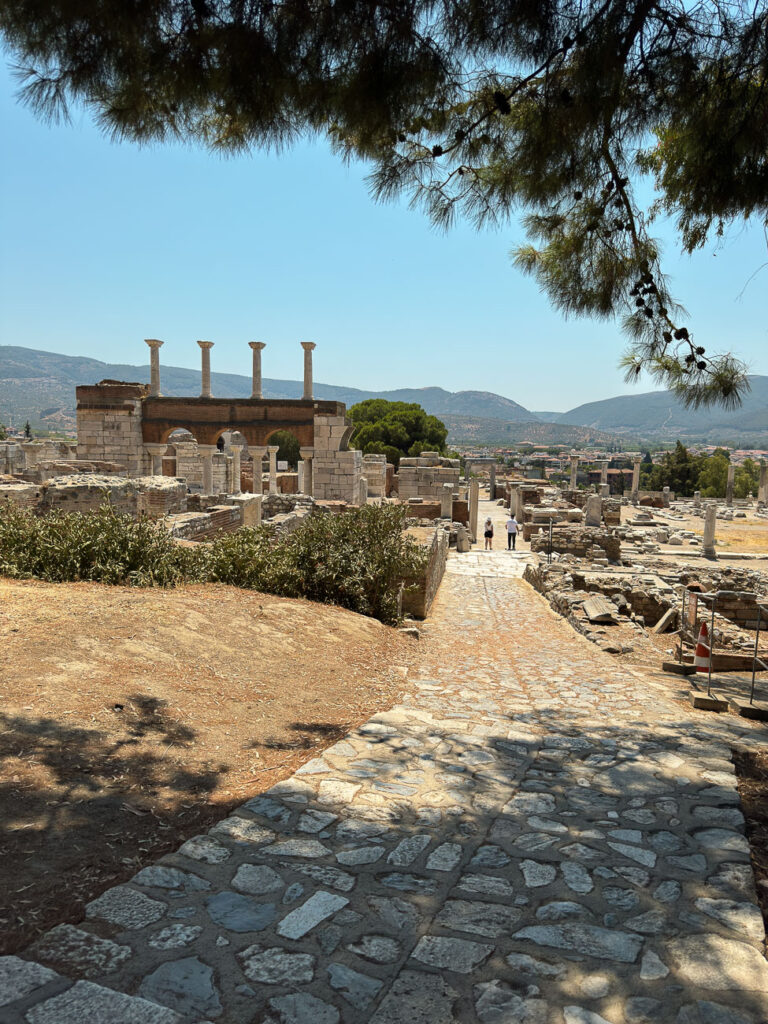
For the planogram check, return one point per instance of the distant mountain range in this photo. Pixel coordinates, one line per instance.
(658, 413)
(40, 387)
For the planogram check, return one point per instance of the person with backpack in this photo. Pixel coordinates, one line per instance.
(512, 531)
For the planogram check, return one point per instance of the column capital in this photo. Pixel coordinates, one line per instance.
(273, 448)
(207, 449)
(153, 342)
(308, 345)
(257, 346)
(257, 451)
(307, 453)
(205, 344)
(156, 449)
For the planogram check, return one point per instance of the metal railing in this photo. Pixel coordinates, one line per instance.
(712, 598)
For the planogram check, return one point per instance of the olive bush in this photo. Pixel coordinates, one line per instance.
(358, 559)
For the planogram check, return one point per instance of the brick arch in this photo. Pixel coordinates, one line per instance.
(256, 419)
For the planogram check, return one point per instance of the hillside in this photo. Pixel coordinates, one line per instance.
(658, 414)
(40, 387)
(476, 430)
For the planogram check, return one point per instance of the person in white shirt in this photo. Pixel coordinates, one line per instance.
(512, 531)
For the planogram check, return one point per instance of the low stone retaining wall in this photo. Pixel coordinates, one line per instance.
(418, 600)
(579, 541)
(281, 504)
(202, 525)
(419, 509)
(21, 494)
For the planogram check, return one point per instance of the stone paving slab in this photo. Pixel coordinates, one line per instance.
(532, 837)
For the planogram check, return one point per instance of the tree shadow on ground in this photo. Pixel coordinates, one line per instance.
(309, 734)
(80, 806)
(615, 804)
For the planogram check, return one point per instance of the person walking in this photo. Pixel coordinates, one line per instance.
(488, 534)
(512, 531)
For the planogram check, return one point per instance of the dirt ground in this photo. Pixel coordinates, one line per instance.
(752, 771)
(739, 536)
(132, 719)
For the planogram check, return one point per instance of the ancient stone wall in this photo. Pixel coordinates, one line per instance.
(109, 425)
(24, 495)
(460, 511)
(420, 509)
(418, 599)
(87, 492)
(203, 525)
(424, 476)
(581, 542)
(160, 496)
(375, 472)
(336, 475)
(280, 504)
(11, 457)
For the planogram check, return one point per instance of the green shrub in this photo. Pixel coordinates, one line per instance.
(358, 559)
(105, 547)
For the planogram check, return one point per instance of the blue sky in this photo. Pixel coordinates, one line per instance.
(104, 244)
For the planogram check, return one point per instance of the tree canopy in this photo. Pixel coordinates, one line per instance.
(395, 429)
(684, 473)
(555, 109)
(288, 447)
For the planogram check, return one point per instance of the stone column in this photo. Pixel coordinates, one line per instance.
(514, 500)
(257, 346)
(236, 453)
(305, 470)
(308, 346)
(697, 499)
(474, 496)
(207, 451)
(257, 454)
(362, 491)
(273, 449)
(492, 482)
(574, 471)
(636, 479)
(300, 474)
(156, 452)
(605, 490)
(593, 511)
(154, 366)
(710, 518)
(604, 472)
(206, 346)
(666, 497)
(762, 487)
(729, 484)
(446, 502)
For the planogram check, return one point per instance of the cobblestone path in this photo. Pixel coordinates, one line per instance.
(534, 837)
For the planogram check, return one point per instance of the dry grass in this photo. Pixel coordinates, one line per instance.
(133, 718)
(748, 535)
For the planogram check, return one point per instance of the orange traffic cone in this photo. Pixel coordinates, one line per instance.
(702, 654)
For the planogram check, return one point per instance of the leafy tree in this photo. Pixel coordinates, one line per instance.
(647, 460)
(746, 478)
(288, 450)
(395, 429)
(475, 109)
(678, 470)
(713, 477)
(27, 430)
(3, 434)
